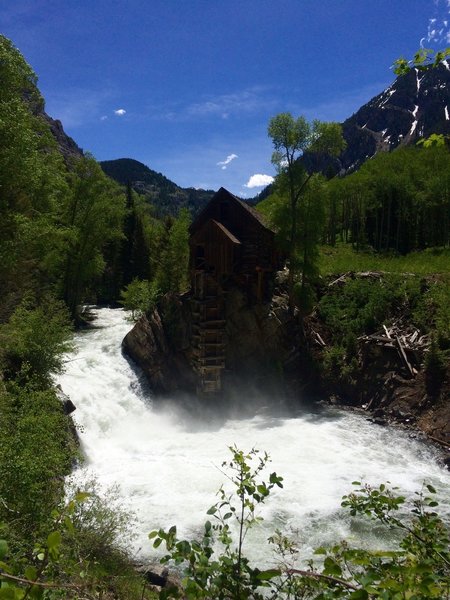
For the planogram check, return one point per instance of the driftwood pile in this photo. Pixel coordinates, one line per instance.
(406, 339)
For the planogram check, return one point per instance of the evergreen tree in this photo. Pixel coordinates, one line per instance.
(172, 273)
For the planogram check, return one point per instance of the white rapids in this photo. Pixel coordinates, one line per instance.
(167, 459)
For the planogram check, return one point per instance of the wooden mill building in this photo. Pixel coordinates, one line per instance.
(230, 245)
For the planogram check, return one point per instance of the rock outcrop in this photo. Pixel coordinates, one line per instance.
(259, 342)
(160, 344)
(67, 146)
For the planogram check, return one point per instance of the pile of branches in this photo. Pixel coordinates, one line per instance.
(406, 338)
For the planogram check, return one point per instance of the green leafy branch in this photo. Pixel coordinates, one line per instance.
(423, 59)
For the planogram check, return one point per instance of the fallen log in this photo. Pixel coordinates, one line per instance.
(404, 357)
(438, 441)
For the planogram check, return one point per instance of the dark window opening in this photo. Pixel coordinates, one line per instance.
(199, 256)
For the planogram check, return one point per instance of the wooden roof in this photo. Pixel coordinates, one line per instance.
(224, 194)
(226, 232)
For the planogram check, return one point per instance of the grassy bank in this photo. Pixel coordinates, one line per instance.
(342, 258)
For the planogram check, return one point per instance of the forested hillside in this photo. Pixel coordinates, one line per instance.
(166, 197)
(397, 201)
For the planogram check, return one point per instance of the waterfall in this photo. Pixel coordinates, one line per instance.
(167, 459)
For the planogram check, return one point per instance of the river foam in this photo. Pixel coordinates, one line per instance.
(166, 456)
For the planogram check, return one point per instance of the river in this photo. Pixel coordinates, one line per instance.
(166, 455)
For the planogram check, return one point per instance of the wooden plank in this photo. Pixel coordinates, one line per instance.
(379, 338)
(403, 355)
(319, 339)
(442, 442)
(209, 359)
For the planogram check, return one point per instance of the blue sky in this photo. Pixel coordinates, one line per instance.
(188, 86)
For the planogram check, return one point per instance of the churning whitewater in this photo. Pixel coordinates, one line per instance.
(167, 461)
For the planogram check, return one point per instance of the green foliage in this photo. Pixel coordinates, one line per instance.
(398, 201)
(78, 554)
(17, 76)
(32, 183)
(227, 574)
(420, 568)
(435, 139)
(98, 536)
(81, 555)
(34, 340)
(92, 217)
(432, 312)
(343, 258)
(423, 59)
(35, 452)
(172, 271)
(215, 565)
(339, 364)
(360, 306)
(139, 297)
(301, 225)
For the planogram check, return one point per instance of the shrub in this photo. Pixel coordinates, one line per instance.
(81, 555)
(36, 450)
(140, 297)
(34, 340)
(360, 306)
(432, 311)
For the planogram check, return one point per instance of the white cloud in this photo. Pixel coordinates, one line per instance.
(438, 31)
(251, 100)
(103, 118)
(224, 163)
(259, 180)
(120, 112)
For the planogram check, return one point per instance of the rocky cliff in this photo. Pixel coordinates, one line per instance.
(413, 107)
(67, 146)
(258, 343)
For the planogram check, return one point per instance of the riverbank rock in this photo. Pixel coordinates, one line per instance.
(258, 342)
(160, 577)
(159, 344)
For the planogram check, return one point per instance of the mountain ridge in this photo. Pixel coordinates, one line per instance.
(166, 196)
(415, 105)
